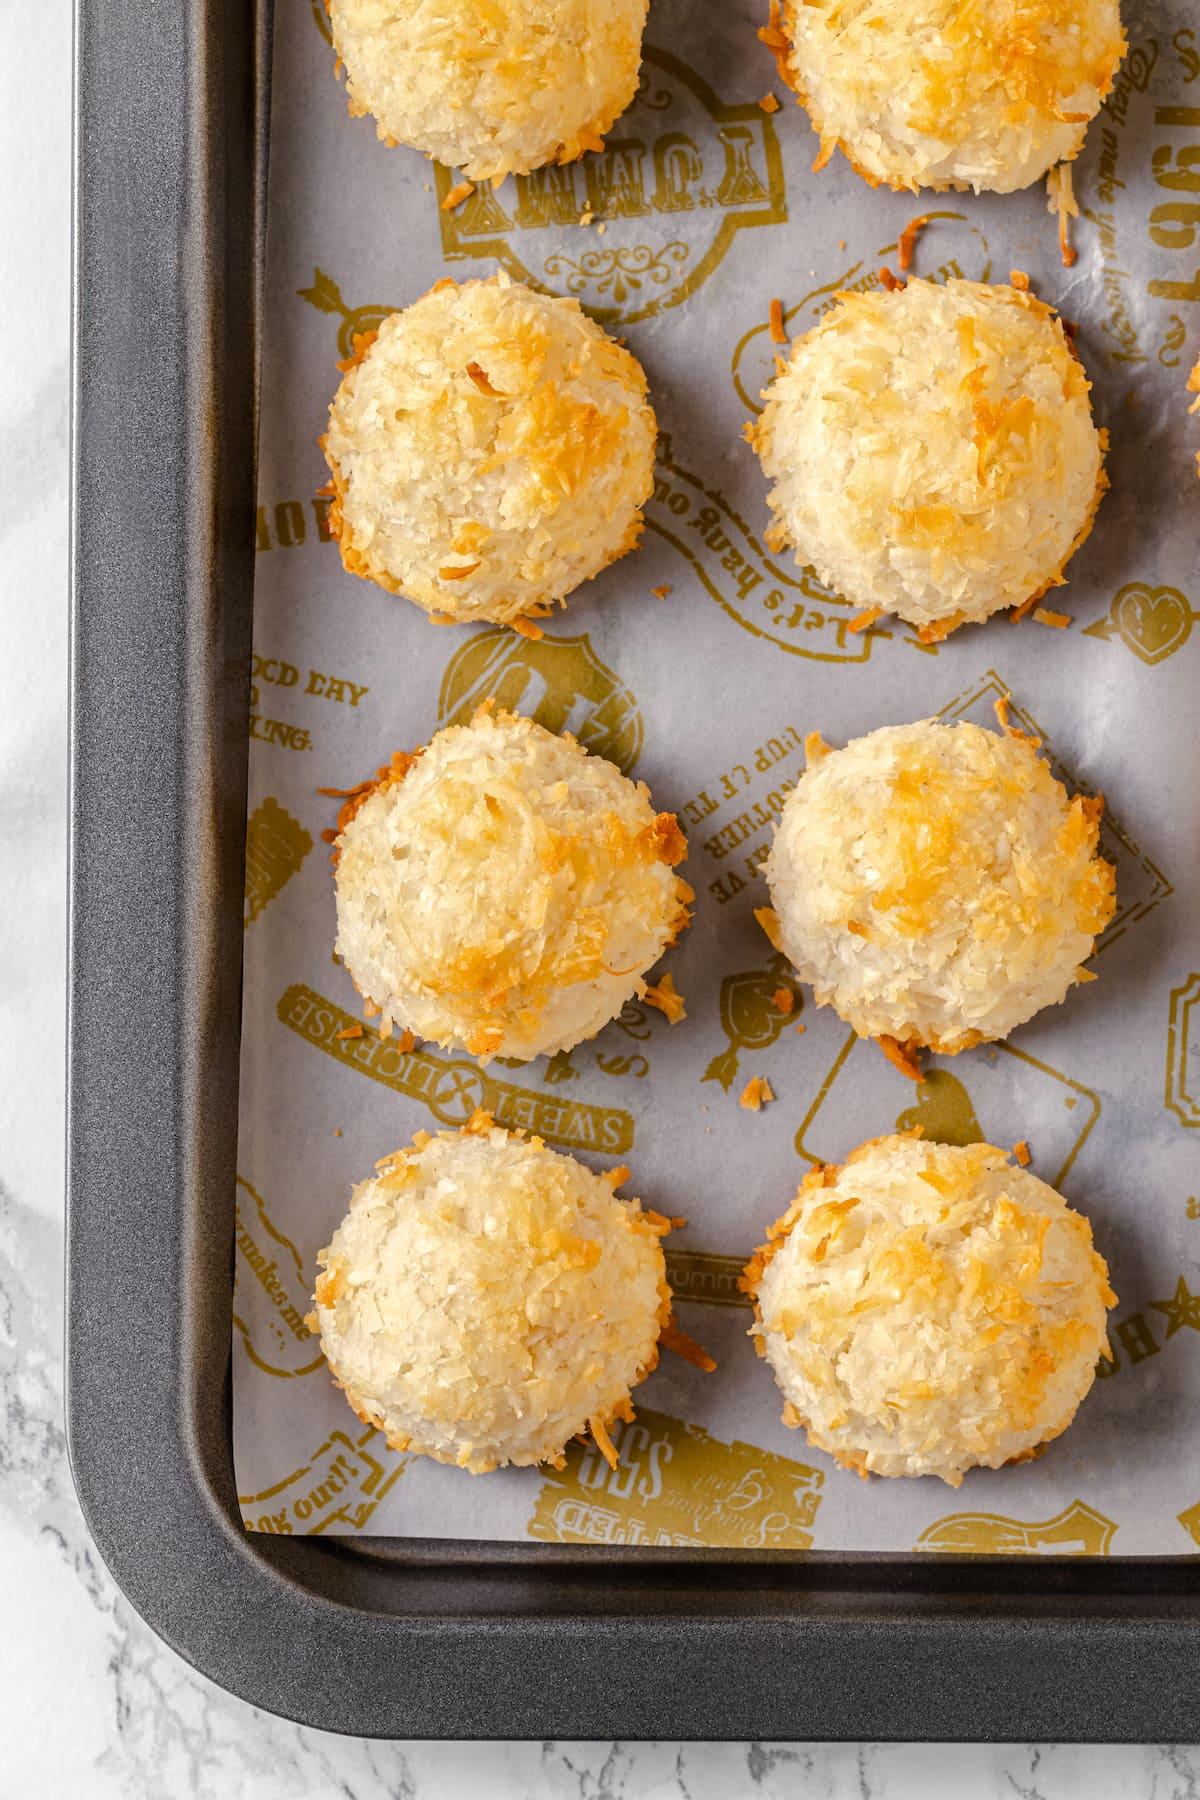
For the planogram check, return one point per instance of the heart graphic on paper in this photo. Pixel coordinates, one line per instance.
(1153, 622)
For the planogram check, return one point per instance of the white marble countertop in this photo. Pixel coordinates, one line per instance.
(93, 1703)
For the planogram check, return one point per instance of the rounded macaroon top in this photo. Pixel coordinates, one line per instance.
(927, 1309)
(503, 890)
(934, 883)
(490, 449)
(933, 451)
(495, 88)
(487, 1299)
(935, 94)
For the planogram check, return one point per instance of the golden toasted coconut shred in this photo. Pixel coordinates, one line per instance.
(775, 37)
(907, 241)
(865, 619)
(999, 1273)
(664, 995)
(504, 891)
(353, 799)
(462, 190)
(903, 1057)
(673, 1338)
(487, 1299)
(1060, 198)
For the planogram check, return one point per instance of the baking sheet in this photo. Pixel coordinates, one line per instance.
(704, 209)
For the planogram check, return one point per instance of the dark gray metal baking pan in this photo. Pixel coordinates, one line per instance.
(391, 1639)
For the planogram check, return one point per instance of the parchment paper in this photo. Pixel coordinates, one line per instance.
(705, 208)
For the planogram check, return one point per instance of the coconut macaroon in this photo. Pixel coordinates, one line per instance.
(935, 94)
(933, 451)
(492, 89)
(928, 1309)
(485, 1299)
(490, 449)
(935, 885)
(504, 891)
